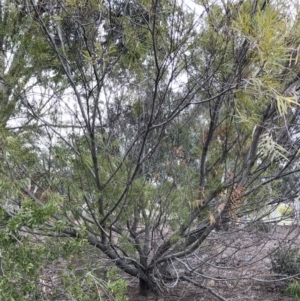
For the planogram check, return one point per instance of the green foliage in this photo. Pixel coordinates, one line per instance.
(269, 148)
(21, 261)
(84, 284)
(293, 289)
(259, 226)
(136, 121)
(116, 286)
(286, 260)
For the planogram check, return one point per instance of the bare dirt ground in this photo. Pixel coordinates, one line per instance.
(235, 264)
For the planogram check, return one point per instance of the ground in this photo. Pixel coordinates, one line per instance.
(238, 268)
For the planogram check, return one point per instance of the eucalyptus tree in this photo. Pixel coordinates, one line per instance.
(157, 126)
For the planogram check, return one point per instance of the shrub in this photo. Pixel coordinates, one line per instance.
(262, 226)
(116, 286)
(259, 226)
(293, 289)
(286, 260)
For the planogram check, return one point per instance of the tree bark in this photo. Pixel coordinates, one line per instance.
(144, 287)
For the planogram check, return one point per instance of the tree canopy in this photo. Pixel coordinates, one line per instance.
(132, 130)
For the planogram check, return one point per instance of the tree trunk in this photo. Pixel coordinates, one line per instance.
(144, 287)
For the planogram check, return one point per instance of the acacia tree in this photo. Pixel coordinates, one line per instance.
(164, 125)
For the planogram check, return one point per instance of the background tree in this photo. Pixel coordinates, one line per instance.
(155, 127)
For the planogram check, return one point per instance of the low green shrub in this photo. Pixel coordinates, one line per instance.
(293, 289)
(286, 260)
(116, 286)
(262, 226)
